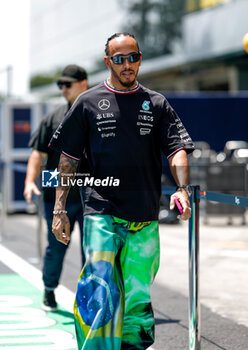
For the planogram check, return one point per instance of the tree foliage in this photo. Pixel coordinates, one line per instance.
(44, 79)
(155, 23)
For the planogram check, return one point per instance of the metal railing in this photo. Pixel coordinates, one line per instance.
(193, 257)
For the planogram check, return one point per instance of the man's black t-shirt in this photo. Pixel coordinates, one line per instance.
(40, 140)
(123, 134)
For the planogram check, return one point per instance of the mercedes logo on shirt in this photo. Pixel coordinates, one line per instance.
(104, 104)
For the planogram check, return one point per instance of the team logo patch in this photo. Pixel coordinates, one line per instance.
(104, 104)
(146, 105)
(50, 178)
(145, 131)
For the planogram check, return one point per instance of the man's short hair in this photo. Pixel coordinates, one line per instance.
(117, 35)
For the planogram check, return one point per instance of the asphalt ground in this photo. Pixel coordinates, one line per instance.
(223, 283)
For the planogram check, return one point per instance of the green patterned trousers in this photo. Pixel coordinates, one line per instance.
(113, 306)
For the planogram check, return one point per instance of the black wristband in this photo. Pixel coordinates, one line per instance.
(186, 188)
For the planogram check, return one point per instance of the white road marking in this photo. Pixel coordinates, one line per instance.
(31, 274)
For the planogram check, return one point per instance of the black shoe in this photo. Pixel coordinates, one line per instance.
(49, 302)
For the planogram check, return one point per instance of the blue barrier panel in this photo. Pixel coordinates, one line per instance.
(213, 196)
(19, 167)
(168, 190)
(223, 198)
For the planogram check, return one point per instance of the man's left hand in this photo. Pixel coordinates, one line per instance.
(183, 199)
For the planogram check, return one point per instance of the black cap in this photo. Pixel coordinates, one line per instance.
(72, 73)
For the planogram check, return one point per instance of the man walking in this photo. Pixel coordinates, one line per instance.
(72, 82)
(123, 127)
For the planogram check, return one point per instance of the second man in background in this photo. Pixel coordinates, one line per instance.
(72, 82)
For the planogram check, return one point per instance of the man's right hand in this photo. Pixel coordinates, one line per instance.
(30, 189)
(61, 228)
(35, 164)
(61, 223)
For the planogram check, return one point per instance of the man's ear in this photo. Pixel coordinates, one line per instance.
(140, 57)
(85, 84)
(106, 59)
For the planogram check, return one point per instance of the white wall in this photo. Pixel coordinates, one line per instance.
(216, 31)
(71, 31)
(14, 46)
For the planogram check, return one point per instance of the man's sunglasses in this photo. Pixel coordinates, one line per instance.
(66, 83)
(120, 59)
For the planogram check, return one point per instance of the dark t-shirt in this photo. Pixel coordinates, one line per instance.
(123, 134)
(40, 140)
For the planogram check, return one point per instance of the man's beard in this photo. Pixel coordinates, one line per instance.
(124, 84)
(127, 84)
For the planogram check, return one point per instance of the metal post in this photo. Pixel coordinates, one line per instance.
(40, 227)
(3, 209)
(9, 80)
(1, 202)
(39, 233)
(194, 300)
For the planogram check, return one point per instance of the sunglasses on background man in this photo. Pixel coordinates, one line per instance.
(67, 84)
